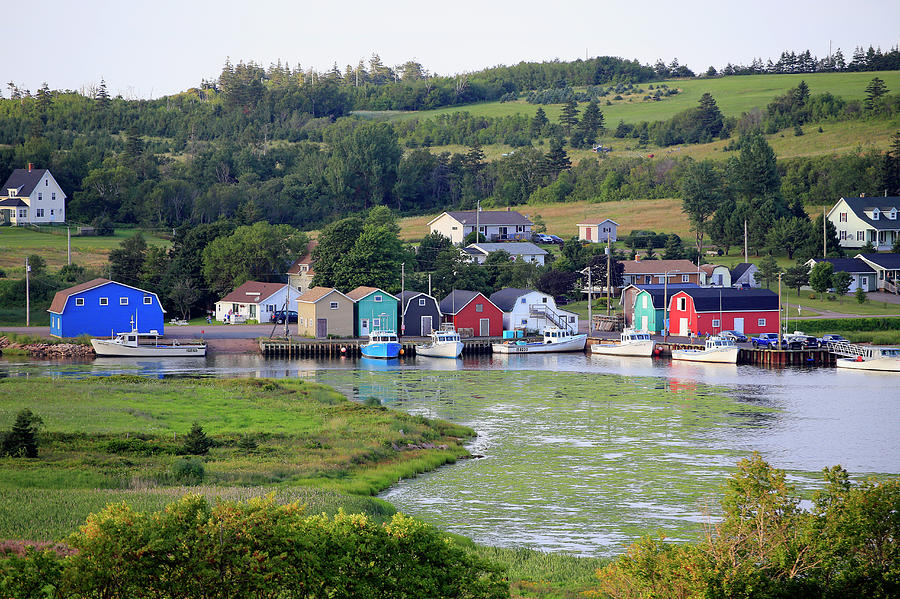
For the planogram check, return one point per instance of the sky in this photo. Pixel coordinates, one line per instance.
(148, 49)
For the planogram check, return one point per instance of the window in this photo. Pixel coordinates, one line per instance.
(422, 301)
(646, 301)
(479, 307)
(123, 301)
(860, 235)
(377, 298)
(333, 305)
(376, 323)
(893, 214)
(761, 322)
(40, 197)
(23, 213)
(876, 214)
(46, 182)
(843, 235)
(303, 268)
(51, 211)
(148, 301)
(270, 307)
(843, 217)
(716, 323)
(39, 212)
(648, 280)
(524, 321)
(53, 196)
(522, 301)
(104, 301)
(682, 303)
(685, 278)
(544, 300)
(79, 301)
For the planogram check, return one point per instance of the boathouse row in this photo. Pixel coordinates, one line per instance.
(102, 307)
(711, 310)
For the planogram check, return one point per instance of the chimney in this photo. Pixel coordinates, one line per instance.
(30, 166)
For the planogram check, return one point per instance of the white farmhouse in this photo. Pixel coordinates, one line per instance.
(495, 225)
(862, 220)
(532, 310)
(32, 196)
(524, 251)
(256, 301)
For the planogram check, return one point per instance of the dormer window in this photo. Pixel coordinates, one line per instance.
(876, 213)
(893, 214)
(11, 191)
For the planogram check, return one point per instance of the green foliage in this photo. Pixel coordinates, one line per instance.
(841, 282)
(796, 277)
(820, 277)
(196, 442)
(768, 270)
(22, 439)
(861, 296)
(702, 193)
(188, 471)
(257, 548)
(674, 248)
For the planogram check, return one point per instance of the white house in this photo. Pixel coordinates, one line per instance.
(862, 220)
(532, 310)
(596, 231)
(887, 270)
(256, 301)
(518, 250)
(716, 275)
(495, 225)
(862, 275)
(32, 196)
(744, 275)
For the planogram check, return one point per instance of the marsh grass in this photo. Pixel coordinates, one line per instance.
(122, 436)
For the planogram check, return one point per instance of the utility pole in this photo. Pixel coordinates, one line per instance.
(68, 245)
(402, 289)
(477, 222)
(608, 264)
(824, 234)
(779, 310)
(429, 283)
(665, 307)
(746, 253)
(27, 295)
(590, 314)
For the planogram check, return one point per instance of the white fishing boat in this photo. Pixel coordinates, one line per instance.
(631, 343)
(864, 357)
(717, 349)
(142, 345)
(444, 343)
(555, 340)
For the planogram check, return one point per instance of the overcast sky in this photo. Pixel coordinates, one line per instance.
(149, 49)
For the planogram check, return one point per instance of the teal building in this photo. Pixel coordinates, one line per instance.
(374, 310)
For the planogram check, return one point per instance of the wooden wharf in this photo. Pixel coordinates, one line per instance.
(336, 348)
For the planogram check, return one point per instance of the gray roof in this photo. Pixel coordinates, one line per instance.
(514, 248)
(12, 202)
(884, 204)
(738, 271)
(456, 300)
(491, 217)
(886, 261)
(23, 180)
(505, 299)
(408, 295)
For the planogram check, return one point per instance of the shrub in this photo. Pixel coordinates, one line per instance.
(196, 442)
(22, 439)
(188, 471)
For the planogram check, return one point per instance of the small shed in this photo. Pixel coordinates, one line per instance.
(472, 310)
(100, 307)
(324, 311)
(421, 314)
(374, 310)
(597, 231)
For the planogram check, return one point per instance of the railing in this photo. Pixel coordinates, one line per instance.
(890, 287)
(842, 348)
(544, 311)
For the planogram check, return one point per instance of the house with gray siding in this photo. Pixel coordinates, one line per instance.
(867, 220)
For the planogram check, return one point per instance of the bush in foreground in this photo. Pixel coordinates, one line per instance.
(256, 548)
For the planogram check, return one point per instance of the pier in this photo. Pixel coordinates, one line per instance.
(336, 348)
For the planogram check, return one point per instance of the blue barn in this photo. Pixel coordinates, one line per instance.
(101, 307)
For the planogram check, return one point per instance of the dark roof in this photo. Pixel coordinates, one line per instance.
(738, 271)
(408, 295)
(12, 202)
(23, 180)
(852, 265)
(662, 286)
(884, 204)
(706, 299)
(659, 293)
(887, 261)
(456, 300)
(505, 299)
(491, 217)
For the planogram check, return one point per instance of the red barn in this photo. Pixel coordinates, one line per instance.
(715, 309)
(472, 310)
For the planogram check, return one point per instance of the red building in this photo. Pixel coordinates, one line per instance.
(472, 310)
(711, 310)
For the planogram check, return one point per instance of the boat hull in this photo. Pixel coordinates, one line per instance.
(718, 356)
(381, 350)
(642, 349)
(881, 364)
(575, 344)
(103, 347)
(440, 350)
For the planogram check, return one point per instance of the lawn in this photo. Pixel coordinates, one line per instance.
(18, 242)
(845, 305)
(125, 435)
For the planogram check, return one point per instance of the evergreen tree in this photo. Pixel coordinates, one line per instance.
(102, 95)
(768, 270)
(701, 189)
(474, 160)
(890, 168)
(556, 160)
(22, 439)
(126, 262)
(197, 442)
(590, 126)
(874, 91)
(710, 116)
(568, 117)
(539, 122)
(796, 277)
(674, 248)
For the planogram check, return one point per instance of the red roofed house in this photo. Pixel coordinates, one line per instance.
(255, 301)
(711, 310)
(472, 310)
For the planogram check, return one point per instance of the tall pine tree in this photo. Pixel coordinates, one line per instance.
(568, 118)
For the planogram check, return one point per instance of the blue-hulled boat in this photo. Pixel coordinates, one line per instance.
(382, 344)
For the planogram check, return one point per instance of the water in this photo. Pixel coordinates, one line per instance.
(586, 453)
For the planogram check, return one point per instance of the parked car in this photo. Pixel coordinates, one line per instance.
(770, 341)
(557, 240)
(832, 338)
(737, 336)
(805, 341)
(278, 316)
(542, 238)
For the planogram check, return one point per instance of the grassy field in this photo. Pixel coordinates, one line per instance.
(734, 95)
(657, 215)
(122, 437)
(16, 243)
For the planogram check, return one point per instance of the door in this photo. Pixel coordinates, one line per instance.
(644, 323)
(865, 282)
(364, 327)
(427, 327)
(587, 233)
(253, 311)
(683, 327)
(321, 328)
(739, 325)
(484, 327)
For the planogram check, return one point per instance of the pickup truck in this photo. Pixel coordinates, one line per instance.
(770, 341)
